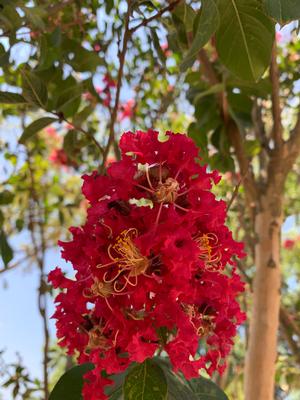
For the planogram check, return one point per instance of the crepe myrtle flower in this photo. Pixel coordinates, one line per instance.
(154, 265)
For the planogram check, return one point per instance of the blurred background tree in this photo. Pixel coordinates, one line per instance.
(75, 74)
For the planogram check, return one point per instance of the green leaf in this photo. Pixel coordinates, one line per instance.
(9, 18)
(48, 53)
(180, 388)
(262, 88)
(244, 38)
(177, 387)
(115, 390)
(35, 127)
(283, 11)
(11, 98)
(80, 58)
(240, 108)
(69, 100)
(109, 6)
(205, 389)
(5, 249)
(157, 46)
(4, 56)
(71, 144)
(83, 115)
(145, 381)
(221, 162)
(208, 22)
(186, 14)
(252, 147)
(6, 197)
(198, 135)
(35, 16)
(20, 224)
(34, 89)
(217, 88)
(69, 386)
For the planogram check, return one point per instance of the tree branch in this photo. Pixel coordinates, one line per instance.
(16, 264)
(277, 129)
(39, 253)
(289, 329)
(122, 54)
(156, 16)
(292, 147)
(80, 129)
(128, 32)
(232, 130)
(288, 319)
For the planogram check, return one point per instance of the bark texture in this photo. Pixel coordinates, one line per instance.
(264, 321)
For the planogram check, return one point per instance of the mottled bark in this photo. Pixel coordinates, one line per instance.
(264, 319)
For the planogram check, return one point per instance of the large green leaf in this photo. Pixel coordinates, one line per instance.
(283, 11)
(69, 386)
(145, 381)
(6, 197)
(186, 14)
(208, 22)
(11, 98)
(34, 89)
(214, 89)
(205, 389)
(180, 388)
(35, 127)
(69, 100)
(244, 38)
(5, 249)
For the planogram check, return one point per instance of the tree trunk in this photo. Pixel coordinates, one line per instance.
(264, 321)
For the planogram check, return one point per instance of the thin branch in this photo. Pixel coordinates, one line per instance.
(286, 316)
(39, 252)
(122, 54)
(289, 329)
(232, 130)
(237, 143)
(292, 147)
(260, 135)
(156, 16)
(276, 107)
(16, 264)
(209, 71)
(235, 192)
(80, 129)
(128, 32)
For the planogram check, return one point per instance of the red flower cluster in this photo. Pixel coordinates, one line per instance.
(105, 93)
(126, 110)
(289, 243)
(154, 265)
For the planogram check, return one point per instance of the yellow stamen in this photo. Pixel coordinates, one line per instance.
(208, 244)
(129, 261)
(98, 288)
(167, 192)
(97, 339)
(202, 323)
(136, 315)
